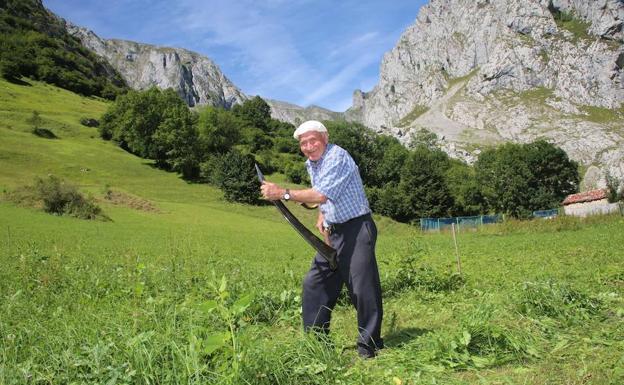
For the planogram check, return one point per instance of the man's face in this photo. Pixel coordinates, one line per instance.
(313, 144)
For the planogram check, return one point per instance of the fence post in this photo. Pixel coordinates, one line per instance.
(456, 250)
(9, 239)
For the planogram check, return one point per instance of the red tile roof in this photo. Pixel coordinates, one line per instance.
(586, 196)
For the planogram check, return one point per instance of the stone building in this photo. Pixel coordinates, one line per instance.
(587, 203)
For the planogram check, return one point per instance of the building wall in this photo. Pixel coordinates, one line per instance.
(591, 208)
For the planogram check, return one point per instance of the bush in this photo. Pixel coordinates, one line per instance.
(615, 190)
(63, 198)
(55, 196)
(44, 133)
(297, 172)
(411, 277)
(89, 122)
(234, 173)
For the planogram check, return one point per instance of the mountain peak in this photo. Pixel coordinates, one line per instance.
(482, 72)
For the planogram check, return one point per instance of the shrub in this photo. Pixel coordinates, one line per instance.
(44, 133)
(56, 196)
(234, 173)
(89, 122)
(63, 198)
(297, 173)
(411, 277)
(615, 190)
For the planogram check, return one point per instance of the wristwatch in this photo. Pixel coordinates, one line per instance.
(286, 195)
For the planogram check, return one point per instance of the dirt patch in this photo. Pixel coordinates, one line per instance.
(119, 198)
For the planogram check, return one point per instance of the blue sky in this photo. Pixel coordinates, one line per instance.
(299, 51)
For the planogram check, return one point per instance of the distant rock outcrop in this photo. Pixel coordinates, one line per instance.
(197, 79)
(296, 115)
(479, 72)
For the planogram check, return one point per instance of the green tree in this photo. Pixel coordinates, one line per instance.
(255, 112)
(555, 176)
(503, 174)
(176, 141)
(157, 125)
(234, 173)
(219, 130)
(389, 201)
(462, 183)
(390, 155)
(519, 178)
(422, 187)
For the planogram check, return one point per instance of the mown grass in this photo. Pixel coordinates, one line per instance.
(204, 291)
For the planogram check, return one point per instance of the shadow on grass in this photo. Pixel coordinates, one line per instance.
(19, 82)
(403, 336)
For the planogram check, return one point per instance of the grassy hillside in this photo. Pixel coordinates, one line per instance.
(35, 43)
(141, 299)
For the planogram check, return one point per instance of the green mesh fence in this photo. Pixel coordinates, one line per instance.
(437, 224)
(546, 213)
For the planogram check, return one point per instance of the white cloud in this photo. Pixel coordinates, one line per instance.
(300, 51)
(259, 39)
(337, 82)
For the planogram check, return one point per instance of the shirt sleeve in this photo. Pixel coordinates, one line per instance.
(333, 177)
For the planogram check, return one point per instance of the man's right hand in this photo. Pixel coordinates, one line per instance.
(271, 191)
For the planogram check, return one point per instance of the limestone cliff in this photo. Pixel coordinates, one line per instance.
(479, 72)
(296, 115)
(196, 78)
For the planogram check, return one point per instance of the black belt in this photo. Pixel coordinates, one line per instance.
(335, 227)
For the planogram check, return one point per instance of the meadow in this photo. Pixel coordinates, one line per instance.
(186, 288)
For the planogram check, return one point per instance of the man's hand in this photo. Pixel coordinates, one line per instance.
(322, 229)
(271, 191)
(319, 224)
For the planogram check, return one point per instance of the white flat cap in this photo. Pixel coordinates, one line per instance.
(310, 125)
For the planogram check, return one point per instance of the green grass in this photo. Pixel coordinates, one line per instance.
(462, 79)
(537, 95)
(141, 299)
(412, 115)
(602, 115)
(571, 23)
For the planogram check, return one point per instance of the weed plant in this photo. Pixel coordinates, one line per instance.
(478, 341)
(410, 276)
(557, 301)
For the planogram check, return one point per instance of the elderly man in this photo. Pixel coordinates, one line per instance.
(344, 218)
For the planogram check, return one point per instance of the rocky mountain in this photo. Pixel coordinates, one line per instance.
(196, 78)
(296, 115)
(480, 72)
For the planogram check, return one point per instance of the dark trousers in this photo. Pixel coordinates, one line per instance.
(357, 268)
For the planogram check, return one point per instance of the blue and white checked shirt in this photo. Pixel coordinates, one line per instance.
(337, 177)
